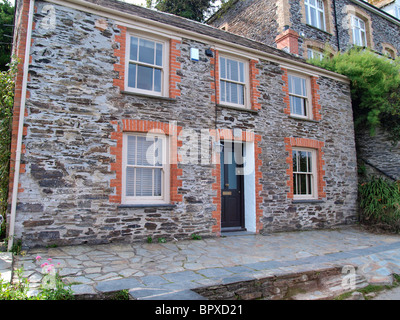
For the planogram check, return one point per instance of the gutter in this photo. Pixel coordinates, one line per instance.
(20, 126)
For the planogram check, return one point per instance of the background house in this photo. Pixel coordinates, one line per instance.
(308, 28)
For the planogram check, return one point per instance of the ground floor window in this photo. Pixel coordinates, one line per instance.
(304, 173)
(145, 170)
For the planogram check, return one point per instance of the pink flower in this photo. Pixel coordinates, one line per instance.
(44, 264)
(38, 258)
(49, 259)
(49, 270)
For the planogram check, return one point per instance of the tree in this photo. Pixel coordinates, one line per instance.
(6, 112)
(190, 9)
(375, 88)
(6, 32)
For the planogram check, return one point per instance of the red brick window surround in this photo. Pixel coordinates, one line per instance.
(165, 78)
(313, 97)
(142, 126)
(251, 90)
(312, 145)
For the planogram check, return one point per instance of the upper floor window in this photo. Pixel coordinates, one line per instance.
(299, 96)
(397, 12)
(359, 31)
(146, 65)
(314, 54)
(233, 82)
(315, 13)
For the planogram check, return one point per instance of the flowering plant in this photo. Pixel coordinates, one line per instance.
(53, 287)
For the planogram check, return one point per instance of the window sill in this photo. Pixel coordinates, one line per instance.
(316, 28)
(148, 96)
(224, 106)
(127, 206)
(303, 119)
(298, 201)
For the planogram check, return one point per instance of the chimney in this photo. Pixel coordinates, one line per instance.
(288, 41)
(380, 3)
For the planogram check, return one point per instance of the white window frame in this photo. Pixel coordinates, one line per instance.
(313, 173)
(314, 54)
(307, 98)
(319, 13)
(397, 11)
(164, 69)
(165, 184)
(356, 25)
(246, 83)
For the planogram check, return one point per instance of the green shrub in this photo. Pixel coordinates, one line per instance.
(380, 203)
(375, 88)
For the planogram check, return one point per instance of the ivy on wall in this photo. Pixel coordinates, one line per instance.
(375, 87)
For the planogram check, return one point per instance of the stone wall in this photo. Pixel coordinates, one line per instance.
(72, 109)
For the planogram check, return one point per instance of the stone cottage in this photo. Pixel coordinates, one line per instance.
(131, 123)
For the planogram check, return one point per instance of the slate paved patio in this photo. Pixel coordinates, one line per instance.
(170, 270)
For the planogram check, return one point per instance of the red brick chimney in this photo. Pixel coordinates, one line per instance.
(288, 41)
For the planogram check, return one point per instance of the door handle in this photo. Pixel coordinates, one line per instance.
(226, 184)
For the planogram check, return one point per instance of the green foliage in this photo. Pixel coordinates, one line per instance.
(190, 9)
(380, 203)
(6, 32)
(196, 236)
(375, 88)
(6, 112)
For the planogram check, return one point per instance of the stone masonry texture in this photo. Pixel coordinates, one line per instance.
(71, 110)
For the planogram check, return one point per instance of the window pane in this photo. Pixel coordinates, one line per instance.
(146, 51)
(302, 183)
(223, 68)
(132, 75)
(309, 184)
(157, 182)
(241, 94)
(222, 170)
(313, 14)
(309, 162)
(130, 182)
(144, 182)
(303, 161)
(159, 153)
(159, 55)
(298, 106)
(290, 84)
(145, 78)
(234, 92)
(232, 178)
(233, 70)
(131, 150)
(295, 184)
(228, 92)
(134, 48)
(223, 91)
(321, 20)
(157, 80)
(241, 69)
(145, 152)
(298, 86)
(294, 156)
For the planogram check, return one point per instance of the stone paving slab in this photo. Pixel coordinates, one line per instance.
(6, 260)
(181, 266)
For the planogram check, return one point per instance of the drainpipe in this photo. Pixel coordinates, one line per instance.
(20, 126)
(336, 25)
